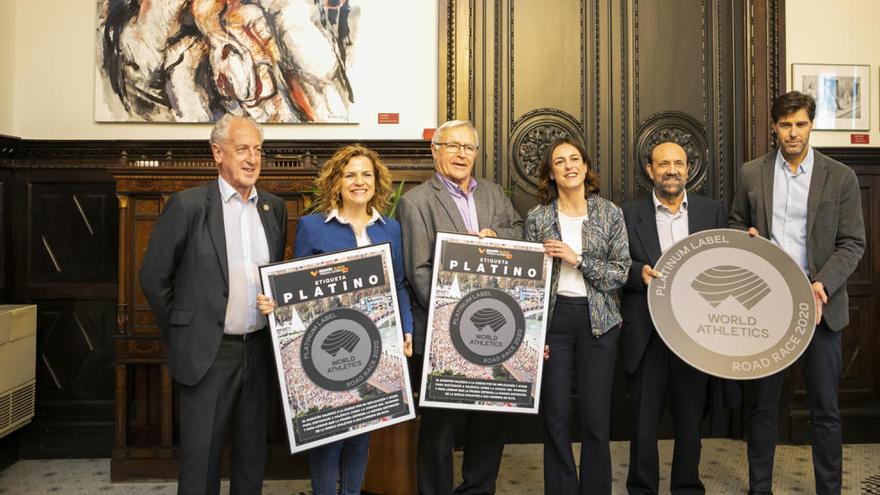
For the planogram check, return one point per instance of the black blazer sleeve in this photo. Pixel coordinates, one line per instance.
(164, 252)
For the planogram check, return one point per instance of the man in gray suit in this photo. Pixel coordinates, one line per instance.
(200, 277)
(452, 201)
(809, 205)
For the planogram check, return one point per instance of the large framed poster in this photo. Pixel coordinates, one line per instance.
(338, 343)
(487, 320)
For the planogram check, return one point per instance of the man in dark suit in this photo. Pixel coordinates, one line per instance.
(200, 277)
(452, 201)
(809, 205)
(653, 225)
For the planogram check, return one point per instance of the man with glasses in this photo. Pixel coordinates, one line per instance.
(452, 201)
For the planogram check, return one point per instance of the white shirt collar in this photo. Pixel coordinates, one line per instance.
(227, 192)
(334, 214)
(658, 204)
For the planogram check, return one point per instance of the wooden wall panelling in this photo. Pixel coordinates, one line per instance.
(680, 87)
(764, 37)
(8, 148)
(540, 90)
(10, 444)
(5, 247)
(8, 151)
(455, 55)
(859, 395)
(618, 75)
(59, 250)
(673, 76)
(64, 247)
(72, 234)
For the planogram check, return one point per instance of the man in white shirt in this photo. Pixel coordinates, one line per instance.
(653, 225)
(200, 276)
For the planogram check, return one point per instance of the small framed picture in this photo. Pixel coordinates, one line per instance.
(841, 93)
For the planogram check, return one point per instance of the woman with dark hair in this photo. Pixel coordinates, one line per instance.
(586, 237)
(353, 187)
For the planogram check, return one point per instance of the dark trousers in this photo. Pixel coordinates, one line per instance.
(232, 395)
(660, 371)
(575, 351)
(821, 364)
(483, 435)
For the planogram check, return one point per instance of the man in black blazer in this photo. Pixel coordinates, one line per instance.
(200, 277)
(810, 206)
(653, 225)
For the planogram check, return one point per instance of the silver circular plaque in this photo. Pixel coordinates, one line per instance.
(732, 305)
(487, 327)
(341, 349)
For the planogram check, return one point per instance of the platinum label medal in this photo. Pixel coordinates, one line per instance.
(341, 349)
(487, 327)
(732, 305)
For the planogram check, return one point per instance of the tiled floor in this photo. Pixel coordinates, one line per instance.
(723, 469)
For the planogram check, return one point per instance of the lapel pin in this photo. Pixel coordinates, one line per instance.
(265, 206)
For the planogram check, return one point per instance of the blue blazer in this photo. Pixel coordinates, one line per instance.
(315, 236)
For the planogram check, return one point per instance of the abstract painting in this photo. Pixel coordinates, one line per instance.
(194, 60)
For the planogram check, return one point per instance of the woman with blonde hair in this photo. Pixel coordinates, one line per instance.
(353, 187)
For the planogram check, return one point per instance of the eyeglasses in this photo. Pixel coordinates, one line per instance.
(453, 148)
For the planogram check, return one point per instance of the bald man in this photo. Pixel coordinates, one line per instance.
(653, 225)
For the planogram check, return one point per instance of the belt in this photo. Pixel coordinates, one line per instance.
(578, 301)
(244, 337)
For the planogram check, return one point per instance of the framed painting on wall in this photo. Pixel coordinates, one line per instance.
(841, 93)
(194, 60)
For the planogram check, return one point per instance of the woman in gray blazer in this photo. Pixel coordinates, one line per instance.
(586, 237)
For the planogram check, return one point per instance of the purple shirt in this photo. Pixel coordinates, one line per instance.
(464, 202)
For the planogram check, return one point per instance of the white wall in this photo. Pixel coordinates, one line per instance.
(836, 32)
(7, 61)
(55, 59)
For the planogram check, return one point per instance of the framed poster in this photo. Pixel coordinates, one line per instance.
(841, 94)
(487, 320)
(338, 343)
